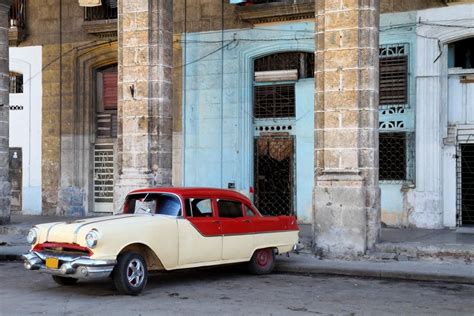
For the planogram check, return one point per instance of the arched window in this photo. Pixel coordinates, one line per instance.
(461, 54)
(16, 82)
(275, 77)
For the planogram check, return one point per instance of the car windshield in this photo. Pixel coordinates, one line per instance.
(153, 203)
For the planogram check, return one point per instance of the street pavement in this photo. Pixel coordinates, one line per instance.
(231, 291)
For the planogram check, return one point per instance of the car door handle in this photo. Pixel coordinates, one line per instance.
(216, 222)
(247, 221)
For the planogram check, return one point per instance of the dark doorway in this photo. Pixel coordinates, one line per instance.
(274, 177)
(15, 174)
(467, 185)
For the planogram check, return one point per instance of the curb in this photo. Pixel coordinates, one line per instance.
(375, 273)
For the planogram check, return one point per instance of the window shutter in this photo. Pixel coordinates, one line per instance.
(110, 95)
(394, 80)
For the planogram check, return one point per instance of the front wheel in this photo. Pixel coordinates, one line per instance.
(262, 262)
(63, 280)
(130, 274)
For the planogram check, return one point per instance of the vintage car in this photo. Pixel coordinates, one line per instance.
(161, 229)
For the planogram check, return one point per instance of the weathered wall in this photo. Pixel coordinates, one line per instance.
(25, 123)
(4, 114)
(57, 27)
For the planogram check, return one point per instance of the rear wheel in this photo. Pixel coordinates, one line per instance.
(63, 280)
(262, 262)
(130, 274)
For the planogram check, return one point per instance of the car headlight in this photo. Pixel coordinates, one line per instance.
(32, 236)
(92, 238)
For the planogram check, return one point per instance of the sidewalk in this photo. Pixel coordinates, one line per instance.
(402, 264)
(407, 270)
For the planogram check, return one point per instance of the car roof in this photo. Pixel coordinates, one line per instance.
(199, 191)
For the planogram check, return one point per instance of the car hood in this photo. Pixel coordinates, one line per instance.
(68, 232)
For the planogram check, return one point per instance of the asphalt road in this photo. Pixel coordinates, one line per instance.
(231, 291)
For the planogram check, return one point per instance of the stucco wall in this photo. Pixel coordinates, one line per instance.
(25, 124)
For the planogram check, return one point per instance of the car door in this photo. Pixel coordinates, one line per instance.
(237, 229)
(200, 233)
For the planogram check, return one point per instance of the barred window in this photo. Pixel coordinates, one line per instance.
(396, 155)
(16, 82)
(393, 74)
(274, 101)
(303, 62)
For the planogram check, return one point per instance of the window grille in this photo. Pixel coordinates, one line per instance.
(274, 101)
(16, 82)
(393, 74)
(302, 61)
(396, 157)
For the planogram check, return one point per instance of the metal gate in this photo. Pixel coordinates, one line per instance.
(15, 174)
(103, 177)
(465, 184)
(274, 174)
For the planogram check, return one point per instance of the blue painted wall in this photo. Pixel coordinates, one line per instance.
(217, 111)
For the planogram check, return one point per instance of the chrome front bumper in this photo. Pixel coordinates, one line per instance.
(72, 267)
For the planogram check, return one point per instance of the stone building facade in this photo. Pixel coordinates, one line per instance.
(192, 79)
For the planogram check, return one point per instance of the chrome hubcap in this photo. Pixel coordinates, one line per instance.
(135, 273)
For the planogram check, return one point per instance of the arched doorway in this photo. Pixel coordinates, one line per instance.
(105, 138)
(283, 92)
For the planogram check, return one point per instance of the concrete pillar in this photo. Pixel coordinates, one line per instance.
(5, 188)
(145, 91)
(347, 194)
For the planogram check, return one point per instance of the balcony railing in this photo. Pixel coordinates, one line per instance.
(103, 12)
(17, 14)
(102, 20)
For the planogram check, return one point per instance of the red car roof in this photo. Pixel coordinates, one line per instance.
(188, 191)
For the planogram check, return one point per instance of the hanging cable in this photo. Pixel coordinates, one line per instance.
(184, 96)
(222, 93)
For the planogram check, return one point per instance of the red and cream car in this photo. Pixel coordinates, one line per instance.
(161, 229)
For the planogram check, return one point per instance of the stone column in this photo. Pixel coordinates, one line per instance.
(5, 188)
(145, 92)
(347, 195)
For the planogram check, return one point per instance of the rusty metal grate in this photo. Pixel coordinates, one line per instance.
(274, 101)
(465, 184)
(274, 177)
(396, 157)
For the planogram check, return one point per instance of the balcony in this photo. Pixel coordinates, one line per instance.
(17, 22)
(102, 20)
(264, 11)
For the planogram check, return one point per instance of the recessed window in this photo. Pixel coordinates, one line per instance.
(393, 74)
(396, 156)
(16, 82)
(461, 54)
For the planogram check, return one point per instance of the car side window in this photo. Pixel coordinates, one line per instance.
(248, 211)
(199, 208)
(229, 209)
